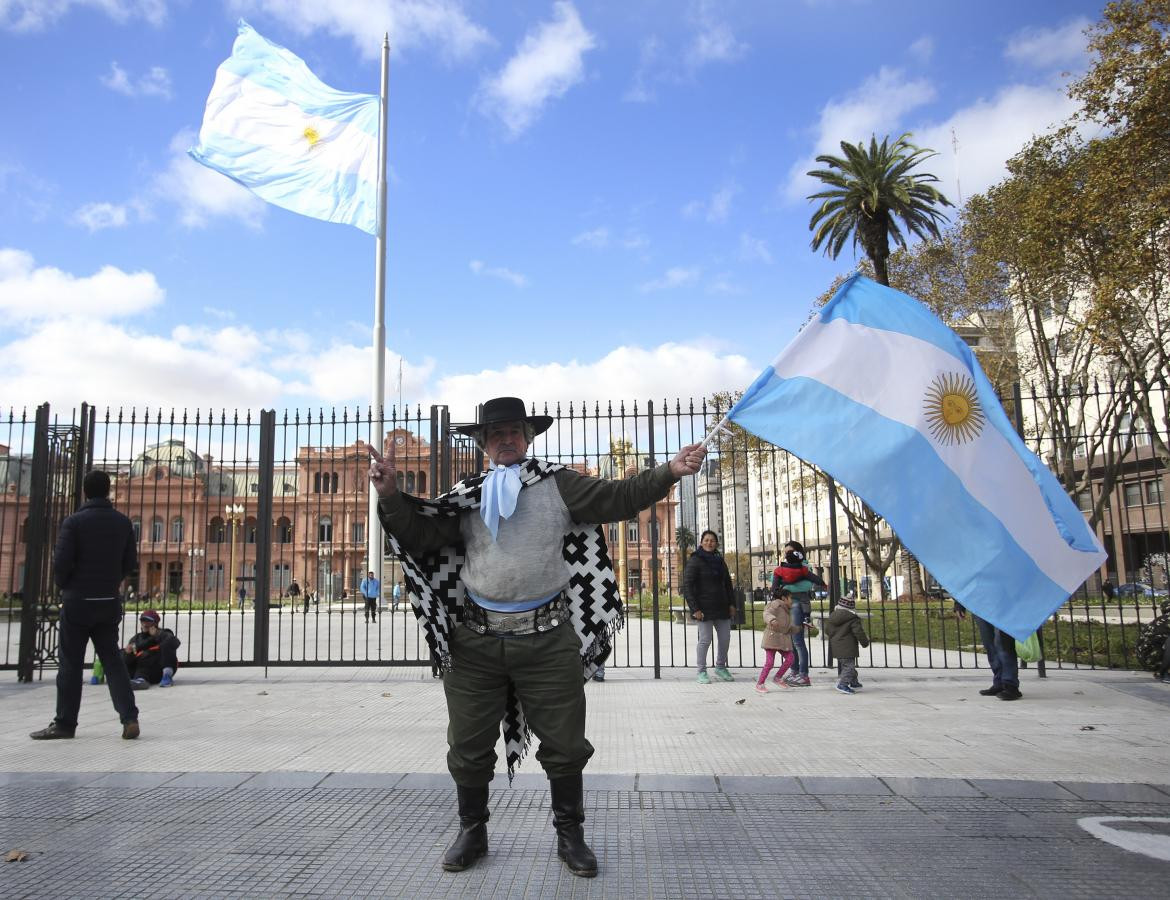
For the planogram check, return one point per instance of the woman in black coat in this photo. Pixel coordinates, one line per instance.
(711, 598)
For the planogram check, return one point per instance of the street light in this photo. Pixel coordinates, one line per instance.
(194, 553)
(235, 514)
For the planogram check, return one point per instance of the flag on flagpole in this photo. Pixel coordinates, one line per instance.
(290, 139)
(880, 394)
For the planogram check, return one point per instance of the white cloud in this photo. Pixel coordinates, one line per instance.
(711, 40)
(96, 216)
(513, 278)
(549, 61)
(36, 15)
(673, 278)
(597, 238)
(990, 132)
(753, 249)
(155, 83)
(717, 209)
(202, 194)
(441, 24)
(670, 370)
(29, 293)
(922, 49)
(873, 108)
(1045, 48)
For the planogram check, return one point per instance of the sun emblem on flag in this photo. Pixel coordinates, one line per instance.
(953, 411)
(312, 135)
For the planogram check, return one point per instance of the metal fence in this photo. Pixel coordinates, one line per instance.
(252, 534)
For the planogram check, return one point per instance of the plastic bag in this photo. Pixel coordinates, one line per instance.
(1029, 650)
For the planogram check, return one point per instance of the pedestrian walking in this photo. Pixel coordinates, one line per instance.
(777, 638)
(93, 556)
(709, 595)
(846, 636)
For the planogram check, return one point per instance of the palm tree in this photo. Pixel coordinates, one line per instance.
(685, 539)
(867, 192)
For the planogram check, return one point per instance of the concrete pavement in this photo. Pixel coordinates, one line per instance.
(331, 782)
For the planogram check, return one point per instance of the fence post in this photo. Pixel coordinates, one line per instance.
(654, 532)
(264, 534)
(34, 558)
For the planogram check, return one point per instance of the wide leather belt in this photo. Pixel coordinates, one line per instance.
(531, 621)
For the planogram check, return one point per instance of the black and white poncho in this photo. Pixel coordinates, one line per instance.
(437, 592)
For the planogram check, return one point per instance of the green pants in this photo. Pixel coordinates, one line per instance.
(546, 669)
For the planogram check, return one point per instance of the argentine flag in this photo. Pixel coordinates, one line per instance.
(880, 394)
(274, 127)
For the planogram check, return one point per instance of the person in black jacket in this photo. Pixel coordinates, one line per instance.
(152, 654)
(94, 554)
(711, 598)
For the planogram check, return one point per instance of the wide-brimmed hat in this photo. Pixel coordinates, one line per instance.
(504, 409)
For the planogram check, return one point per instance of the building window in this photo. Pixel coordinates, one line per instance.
(177, 529)
(358, 532)
(136, 524)
(1132, 425)
(325, 483)
(632, 530)
(422, 483)
(1133, 495)
(284, 531)
(410, 482)
(1085, 501)
(281, 577)
(612, 534)
(1154, 492)
(156, 530)
(215, 531)
(214, 577)
(324, 530)
(249, 530)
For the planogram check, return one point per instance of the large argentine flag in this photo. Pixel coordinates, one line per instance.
(274, 127)
(879, 393)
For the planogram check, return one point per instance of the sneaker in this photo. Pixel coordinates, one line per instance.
(139, 684)
(703, 678)
(130, 730)
(723, 674)
(599, 676)
(1010, 693)
(167, 681)
(93, 679)
(845, 689)
(991, 691)
(780, 682)
(53, 733)
(856, 685)
(801, 681)
(761, 688)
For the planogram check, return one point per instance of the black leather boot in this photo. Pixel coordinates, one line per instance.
(471, 843)
(568, 805)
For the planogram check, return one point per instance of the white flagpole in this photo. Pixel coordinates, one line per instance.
(374, 546)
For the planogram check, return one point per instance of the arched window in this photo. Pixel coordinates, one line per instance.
(136, 524)
(316, 482)
(156, 530)
(324, 530)
(250, 530)
(215, 531)
(284, 530)
(612, 534)
(422, 483)
(410, 482)
(333, 486)
(177, 529)
(401, 479)
(632, 530)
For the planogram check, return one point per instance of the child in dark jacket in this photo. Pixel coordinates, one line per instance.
(845, 633)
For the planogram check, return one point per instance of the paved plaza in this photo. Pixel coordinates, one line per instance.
(331, 782)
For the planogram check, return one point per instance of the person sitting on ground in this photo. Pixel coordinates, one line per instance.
(846, 633)
(152, 654)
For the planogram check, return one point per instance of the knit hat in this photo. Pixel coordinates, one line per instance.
(151, 616)
(847, 602)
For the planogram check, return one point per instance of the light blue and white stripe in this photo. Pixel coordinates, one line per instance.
(984, 515)
(274, 127)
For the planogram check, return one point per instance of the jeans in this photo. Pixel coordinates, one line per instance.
(83, 620)
(720, 627)
(801, 613)
(1001, 655)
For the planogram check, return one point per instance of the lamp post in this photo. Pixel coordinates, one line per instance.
(325, 564)
(235, 514)
(193, 553)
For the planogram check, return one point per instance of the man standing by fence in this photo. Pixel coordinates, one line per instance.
(371, 590)
(94, 554)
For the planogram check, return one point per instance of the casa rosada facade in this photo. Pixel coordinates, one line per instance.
(197, 529)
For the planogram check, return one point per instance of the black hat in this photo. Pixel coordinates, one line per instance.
(504, 409)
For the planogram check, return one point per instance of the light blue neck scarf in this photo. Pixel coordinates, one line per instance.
(498, 495)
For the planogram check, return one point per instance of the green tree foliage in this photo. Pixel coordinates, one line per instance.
(869, 190)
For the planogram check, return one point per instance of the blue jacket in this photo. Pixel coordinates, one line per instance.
(370, 588)
(94, 551)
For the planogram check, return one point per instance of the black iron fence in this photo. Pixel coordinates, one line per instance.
(252, 533)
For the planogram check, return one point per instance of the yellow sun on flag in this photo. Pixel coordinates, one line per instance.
(312, 135)
(952, 407)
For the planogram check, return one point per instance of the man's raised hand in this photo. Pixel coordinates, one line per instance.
(688, 460)
(383, 475)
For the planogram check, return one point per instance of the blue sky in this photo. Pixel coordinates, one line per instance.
(588, 200)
